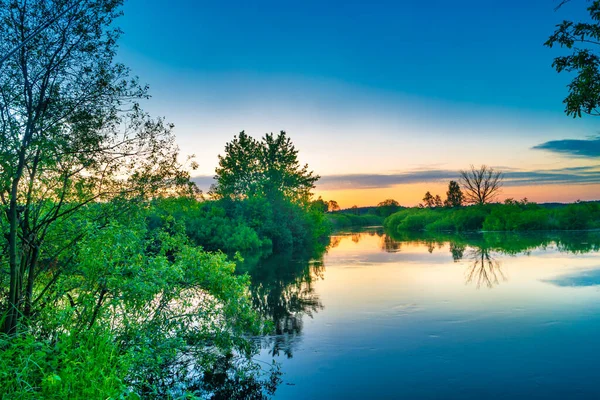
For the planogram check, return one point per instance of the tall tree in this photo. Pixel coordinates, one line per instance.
(71, 133)
(428, 200)
(481, 185)
(332, 206)
(268, 168)
(454, 196)
(582, 40)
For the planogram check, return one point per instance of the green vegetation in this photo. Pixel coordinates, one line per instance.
(107, 288)
(509, 243)
(510, 216)
(362, 216)
(343, 219)
(246, 225)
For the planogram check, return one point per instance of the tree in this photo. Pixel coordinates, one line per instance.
(582, 39)
(354, 210)
(387, 207)
(71, 134)
(268, 168)
(454, 196)
(320, 205)
(333, 206)
(437, 201)
(428, 200)
(481, 185)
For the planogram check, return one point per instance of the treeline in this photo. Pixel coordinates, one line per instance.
(252, 225)
(362, 216)
(510, 216)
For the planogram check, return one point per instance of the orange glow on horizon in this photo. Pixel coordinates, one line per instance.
(411, 195)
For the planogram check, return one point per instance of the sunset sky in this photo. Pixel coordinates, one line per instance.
(384, 99)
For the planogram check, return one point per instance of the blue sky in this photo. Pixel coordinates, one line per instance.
(377, 88)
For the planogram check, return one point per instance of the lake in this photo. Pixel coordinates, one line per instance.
(436, 316)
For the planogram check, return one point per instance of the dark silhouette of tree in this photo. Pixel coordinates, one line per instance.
(454, 196)
(268, 168)
(437, 201)
(387, 207)
(428, 200)
(354, 210)
(582, 40)
(484, 269)
(481, 186)
(333, 206)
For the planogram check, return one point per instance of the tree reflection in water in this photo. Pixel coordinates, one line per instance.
(484, 269)
(282, 286)
(282, 291)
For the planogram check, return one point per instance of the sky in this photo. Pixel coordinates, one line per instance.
(383, 99)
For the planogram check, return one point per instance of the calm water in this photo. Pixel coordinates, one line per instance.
(496, 316)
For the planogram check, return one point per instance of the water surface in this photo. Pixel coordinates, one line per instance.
(489, 315)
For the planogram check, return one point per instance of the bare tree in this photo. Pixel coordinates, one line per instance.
(481, 185)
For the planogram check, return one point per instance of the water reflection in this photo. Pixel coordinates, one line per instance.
(484, 270)
(392, 316)
(282, 291)
(283, 286)
(481, 250)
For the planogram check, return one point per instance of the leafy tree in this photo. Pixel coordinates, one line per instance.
(65, 140)
(268, 168)
(428, 200)
(438, 201)
(481, 185)
(582, 40)
(387, 207)
(333, 206)
(320, 205)
(454, 196)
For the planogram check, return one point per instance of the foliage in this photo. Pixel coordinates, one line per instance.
(345, 220)
(71, 133)
(582, 39)
(387, 207)
(428, 200)
(139, 300)
(265, 169)
(454, 195)
(249, 225)
(333, 206)
(510, 216)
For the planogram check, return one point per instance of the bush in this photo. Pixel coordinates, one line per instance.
(511, 216)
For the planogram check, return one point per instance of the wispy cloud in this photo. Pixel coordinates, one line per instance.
(512, 177)
(573, 147)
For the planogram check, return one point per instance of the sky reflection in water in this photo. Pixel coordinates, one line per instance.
(444, 317)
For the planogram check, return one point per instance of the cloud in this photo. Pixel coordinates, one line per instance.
(512, 177)
(203, 181)
(374, 181)
(573, 147)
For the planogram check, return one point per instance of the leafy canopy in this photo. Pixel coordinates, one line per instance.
(268, 168)
(582, 40)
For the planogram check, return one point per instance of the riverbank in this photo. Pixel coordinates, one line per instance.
(510, 216)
